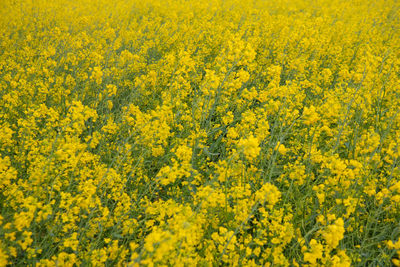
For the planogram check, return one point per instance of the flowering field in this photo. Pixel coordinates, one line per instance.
(199, 133)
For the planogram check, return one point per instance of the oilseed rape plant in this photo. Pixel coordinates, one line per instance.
(199, 133)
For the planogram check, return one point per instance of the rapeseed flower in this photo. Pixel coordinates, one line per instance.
(197, 133)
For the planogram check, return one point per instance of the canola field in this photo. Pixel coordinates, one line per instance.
(199, 133)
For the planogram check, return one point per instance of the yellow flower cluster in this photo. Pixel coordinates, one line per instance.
(199, 133)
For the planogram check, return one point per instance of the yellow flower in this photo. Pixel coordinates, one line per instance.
(334, 233)
(314, 253)
(310, 115)
(281, 148)
(97, 75)
(3, 256)
(250, 147)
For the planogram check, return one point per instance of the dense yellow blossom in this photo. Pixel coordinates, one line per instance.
(250, 147)
(199, 133)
